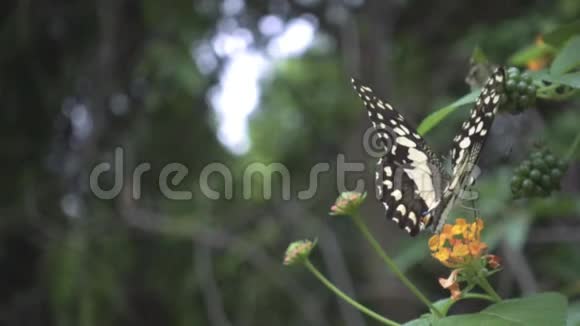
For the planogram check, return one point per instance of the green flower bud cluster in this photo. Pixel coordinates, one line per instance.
(520, 90)
(539, 175)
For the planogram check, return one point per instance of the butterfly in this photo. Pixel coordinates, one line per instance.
(415, 187)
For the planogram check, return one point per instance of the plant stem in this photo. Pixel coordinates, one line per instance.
(484, 284)
(346, 298)
(478, 296)
(445, 308)
(391, 264)
(573, 147)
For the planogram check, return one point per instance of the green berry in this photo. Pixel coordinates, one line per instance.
(556, 175)
(516, 181)
(536, 175)
(540, 165)
(536, 155)
(531, 90)
(550, 160)
(525, 77)
(513, 70)
(546, 182)
(522, 87)
(526, 164)
(503, 99)
(514, 97)
(511, 85)
(527, 185)
(524, 101)
(562, 165)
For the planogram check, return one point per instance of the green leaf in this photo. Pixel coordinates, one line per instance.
(571, 79)
(561, 34)
(541, 309)
(529, 53)
(434, 118)
(568, 58)
(426, 320)
(574, 315)
(478, 57)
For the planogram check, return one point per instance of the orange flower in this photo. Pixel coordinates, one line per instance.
(460, 248)
(458, 244)
(540, 62)
(460, 226)
(537, 64)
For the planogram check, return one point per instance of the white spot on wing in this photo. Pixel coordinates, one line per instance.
(417, 155)
(399, 131)
(397, 194)
(465, 142)
(406, 142)
(401, 209)
(413, 218)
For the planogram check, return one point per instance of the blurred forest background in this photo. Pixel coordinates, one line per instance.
(237, 82)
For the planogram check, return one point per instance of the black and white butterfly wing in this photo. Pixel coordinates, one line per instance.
(468, 143)
(409, 178)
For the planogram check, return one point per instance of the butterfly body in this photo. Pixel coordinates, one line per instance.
(415, 189)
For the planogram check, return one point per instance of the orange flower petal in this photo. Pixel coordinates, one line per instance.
(476, 248)
(434, 242)
(460, 250)
(447, 229)
(442, 255)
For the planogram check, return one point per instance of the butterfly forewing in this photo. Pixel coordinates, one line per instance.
(468, 143)
(409, 179)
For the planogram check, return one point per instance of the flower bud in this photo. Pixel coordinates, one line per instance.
(347, 203)
(298, 252)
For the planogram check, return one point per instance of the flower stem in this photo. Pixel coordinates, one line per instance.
(573, 147)
(391, 264)
(484, 284)
(346, 298)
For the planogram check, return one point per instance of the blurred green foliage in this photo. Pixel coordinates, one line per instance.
(69, 258)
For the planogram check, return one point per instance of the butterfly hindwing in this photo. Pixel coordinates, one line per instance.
(409, 174)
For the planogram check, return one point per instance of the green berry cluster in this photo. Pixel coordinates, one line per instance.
(520, 90)
(539, 175)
